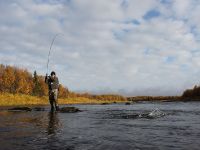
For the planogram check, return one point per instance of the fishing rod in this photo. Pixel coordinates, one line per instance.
(50, 50)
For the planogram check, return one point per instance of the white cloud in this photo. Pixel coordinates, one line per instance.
(101, 47)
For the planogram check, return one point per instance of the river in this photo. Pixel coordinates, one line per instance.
(104, 127)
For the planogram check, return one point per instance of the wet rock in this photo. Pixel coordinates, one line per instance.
(136, 116)
(39, 109)
(146, 115)
(152, 115)
(20, 109)
(69, 110)
(104, 103)
(132, 116)
(127, 103)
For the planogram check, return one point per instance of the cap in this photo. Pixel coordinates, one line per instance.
(53, 73)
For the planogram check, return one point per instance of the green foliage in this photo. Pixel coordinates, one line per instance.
(37, 86)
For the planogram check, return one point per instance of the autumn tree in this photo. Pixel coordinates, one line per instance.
(43, 89)
(2, 68)
(15, 80)
(23, 82)
(39, 86)
(8, 79)
(63, 92)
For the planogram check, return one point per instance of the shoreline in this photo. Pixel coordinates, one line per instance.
(7, 99)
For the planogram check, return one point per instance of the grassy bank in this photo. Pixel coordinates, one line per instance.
(7, 99)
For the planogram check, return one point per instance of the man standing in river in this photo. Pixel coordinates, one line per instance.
(53, 85)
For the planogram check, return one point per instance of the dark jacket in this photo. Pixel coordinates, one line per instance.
(52, 83)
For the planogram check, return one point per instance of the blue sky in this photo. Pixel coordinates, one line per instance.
(130, 47)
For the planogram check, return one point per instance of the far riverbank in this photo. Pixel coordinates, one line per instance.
(7, 99)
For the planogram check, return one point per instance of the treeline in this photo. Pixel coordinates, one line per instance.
(153, 98)
(192, 93)
(19, 81)
(109, 97)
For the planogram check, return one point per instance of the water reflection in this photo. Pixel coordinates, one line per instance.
(53, 125)
(54, 139)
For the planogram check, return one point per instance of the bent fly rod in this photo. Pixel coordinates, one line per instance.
(50, 50)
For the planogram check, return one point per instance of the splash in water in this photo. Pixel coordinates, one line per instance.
(156, 113)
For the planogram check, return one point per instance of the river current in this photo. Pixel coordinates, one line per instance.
(147, 125)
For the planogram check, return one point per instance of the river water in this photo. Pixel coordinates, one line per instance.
(175, 125)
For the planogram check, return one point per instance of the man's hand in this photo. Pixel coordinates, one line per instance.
(46, 78)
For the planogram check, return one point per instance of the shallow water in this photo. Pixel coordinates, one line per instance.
(104, 127)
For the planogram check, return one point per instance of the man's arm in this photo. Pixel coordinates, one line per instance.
(46, 79)
(57, 83)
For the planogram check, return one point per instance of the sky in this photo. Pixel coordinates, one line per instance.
(129, 47)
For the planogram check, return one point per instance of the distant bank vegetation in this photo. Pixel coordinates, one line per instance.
(188, 95)
(153, 98)
(22, 87)
(15, 81)
(192, 93)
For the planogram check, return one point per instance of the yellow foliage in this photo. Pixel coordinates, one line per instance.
(7, 99)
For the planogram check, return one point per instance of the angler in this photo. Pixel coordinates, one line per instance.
(53, 84)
